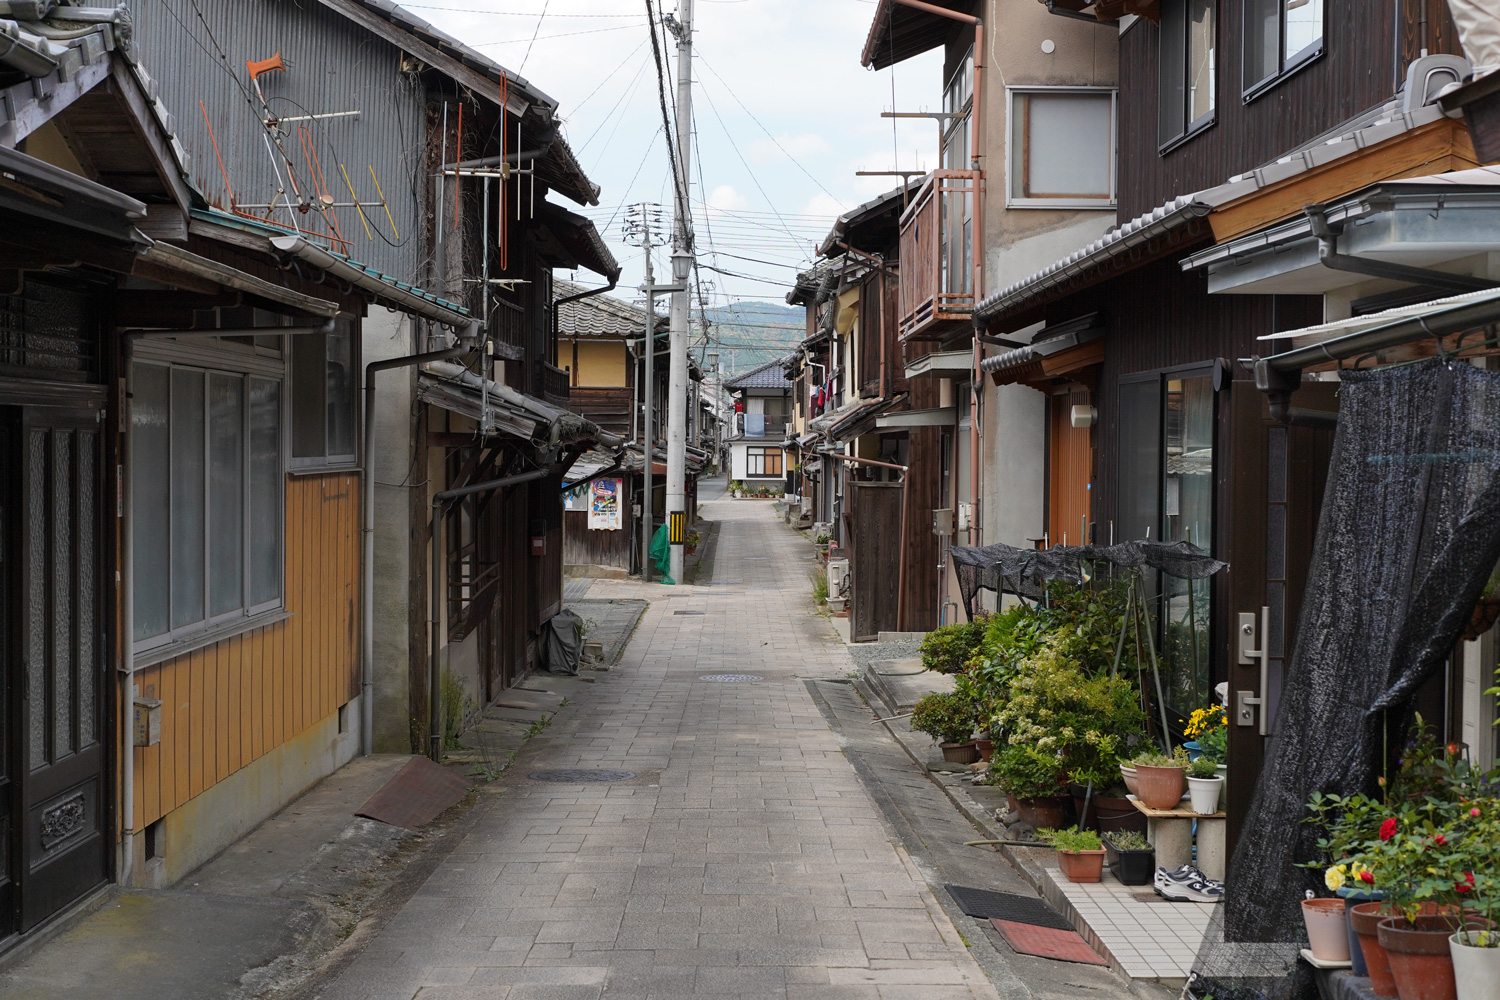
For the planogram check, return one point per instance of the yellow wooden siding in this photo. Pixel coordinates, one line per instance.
(601, 364)
(226, 705)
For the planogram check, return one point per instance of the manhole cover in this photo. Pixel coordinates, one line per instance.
(580, 776)
(731, 678)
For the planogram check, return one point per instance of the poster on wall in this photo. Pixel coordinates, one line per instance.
(604, 504)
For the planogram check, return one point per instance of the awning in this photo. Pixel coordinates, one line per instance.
(407, 298)
(172, 258)
(862, 420)
(944, 364)
(1418, 221)
(899, 32)
(945, 416)
(458, 390)
(575, 242)
(1056, 351)
(51, 194)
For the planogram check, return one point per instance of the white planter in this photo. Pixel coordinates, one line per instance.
(1476, 970)
(1205, 794)
(1224, 788)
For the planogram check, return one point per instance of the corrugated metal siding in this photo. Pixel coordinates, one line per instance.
(197, 51)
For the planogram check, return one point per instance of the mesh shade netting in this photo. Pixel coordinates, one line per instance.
(1026, 572)
(1408, 535)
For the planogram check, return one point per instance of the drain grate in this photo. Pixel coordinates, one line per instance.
(731, 678)
(580, 776)
(686, 612)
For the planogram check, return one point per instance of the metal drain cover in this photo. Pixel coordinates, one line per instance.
(687, 612)
(580, 776)
(731, 678)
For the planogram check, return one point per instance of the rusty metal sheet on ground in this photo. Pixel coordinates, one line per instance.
(418, 794)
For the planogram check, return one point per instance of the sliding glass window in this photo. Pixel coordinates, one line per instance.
(1280, 37)
(1188, 94)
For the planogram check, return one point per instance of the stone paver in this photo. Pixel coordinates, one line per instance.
(746, 859)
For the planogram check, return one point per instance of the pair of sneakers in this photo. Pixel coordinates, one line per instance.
(1187, 884)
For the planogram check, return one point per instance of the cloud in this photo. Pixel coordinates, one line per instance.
(822, 204)
(725, 198)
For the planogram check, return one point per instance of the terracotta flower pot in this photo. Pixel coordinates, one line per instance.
(1160, 787)
(960, 753)
(1421, 961)
(1365, 919)
(1082, 866)
(1044, 814)
(1132, 781)
(1327, 929)
(1106, 813)
(1353, 897)
(986, 748)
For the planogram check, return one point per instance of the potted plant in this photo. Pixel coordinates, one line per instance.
(1210, 729)
(1080, 854)
(1134, 860)
(948, 717)
(1033, 777)
(1161, 778)
(1327, 928)
(690, 541)
(948, 649)
(1204, 784)
(1130, 777)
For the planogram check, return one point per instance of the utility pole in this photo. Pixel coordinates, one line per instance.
(640, 231)
(682, 266)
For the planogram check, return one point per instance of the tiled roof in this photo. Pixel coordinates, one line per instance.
(598, 315)
(771, 375)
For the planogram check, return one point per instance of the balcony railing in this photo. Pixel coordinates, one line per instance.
(554, 384)
(771, 426)
(937, 255)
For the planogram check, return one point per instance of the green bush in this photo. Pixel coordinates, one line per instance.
(946, 716)
(1072, 839)
(948, 649)
(1026, 772)
(1203, 767)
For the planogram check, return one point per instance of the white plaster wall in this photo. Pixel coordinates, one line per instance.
(1008, 263)
(389, 335)
(737, 463)
(1014, 452)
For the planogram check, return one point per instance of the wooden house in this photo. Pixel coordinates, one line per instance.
(1242, 136)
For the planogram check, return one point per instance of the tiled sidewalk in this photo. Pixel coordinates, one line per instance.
(1144, 940)
(744, 860)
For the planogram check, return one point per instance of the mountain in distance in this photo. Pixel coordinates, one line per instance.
(752, 333)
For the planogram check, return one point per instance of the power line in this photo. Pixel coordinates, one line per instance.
(538, 31)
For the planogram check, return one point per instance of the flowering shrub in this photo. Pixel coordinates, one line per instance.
(1210, 728)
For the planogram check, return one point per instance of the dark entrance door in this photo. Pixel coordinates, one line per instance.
(874, 527)
(1272, 493)
(52, 788)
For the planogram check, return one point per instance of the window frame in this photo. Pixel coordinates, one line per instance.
(763, 452)
(326, 462)
(247, 367)
(1204, 122)
(1287, 66)
(1111, 203)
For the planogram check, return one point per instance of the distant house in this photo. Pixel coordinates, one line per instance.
(600, 346)
(757, 432)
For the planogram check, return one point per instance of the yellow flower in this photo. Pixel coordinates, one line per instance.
(1334, 879)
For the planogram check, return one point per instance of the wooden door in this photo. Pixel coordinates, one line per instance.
(874, 530)
(1070, 469)
(1271, 495)
(52, 775)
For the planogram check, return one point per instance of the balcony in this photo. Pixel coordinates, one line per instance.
(763, 426)
(937, 256)
(554, 384)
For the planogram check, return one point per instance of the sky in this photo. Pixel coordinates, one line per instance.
(784, 115)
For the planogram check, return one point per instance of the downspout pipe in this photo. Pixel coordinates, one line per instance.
(614, 280)
(367, 639)
(435, 619)
(1329, 257)
(901, 560)
(127, 630)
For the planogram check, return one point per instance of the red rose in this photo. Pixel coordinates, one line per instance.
(1440, 840)
(1474, 811)
(1367, 878)
(1462, 887)
(1469, 877)
(1388, 829)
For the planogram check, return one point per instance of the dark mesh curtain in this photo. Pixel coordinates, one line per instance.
(1026, 572)
(1409, 532)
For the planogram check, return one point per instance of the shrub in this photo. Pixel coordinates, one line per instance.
(948, 649)
(1155, 758)
(946, 716)
(1027, 772)
(1072, 839)
(1203, 767)
(1129, 840)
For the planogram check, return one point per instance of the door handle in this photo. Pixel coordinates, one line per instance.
(1250, 706)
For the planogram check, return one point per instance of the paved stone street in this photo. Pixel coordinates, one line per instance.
(744, 859)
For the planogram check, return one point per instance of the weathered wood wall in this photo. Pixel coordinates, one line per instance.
(228, 704)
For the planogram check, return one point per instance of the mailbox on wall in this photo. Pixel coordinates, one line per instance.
(538, 537)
